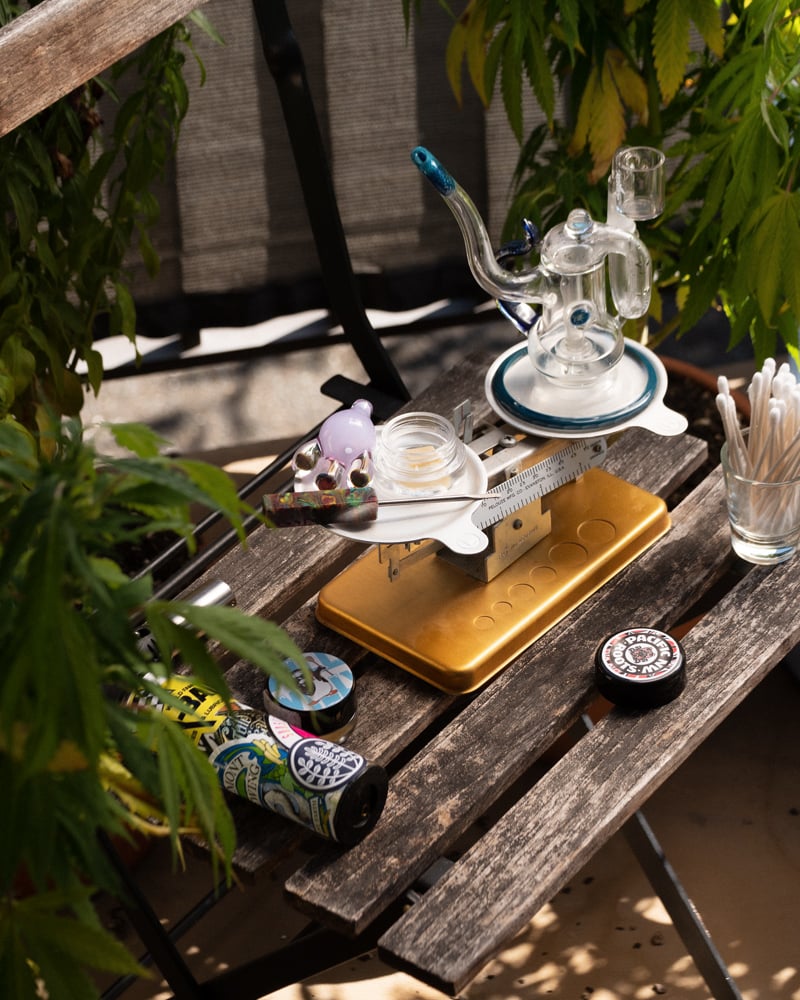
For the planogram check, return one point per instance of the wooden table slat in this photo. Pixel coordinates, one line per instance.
(58, 45)
(444, 788)
(553, 830)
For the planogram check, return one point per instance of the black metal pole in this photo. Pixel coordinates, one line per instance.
(155, 938)
(285, 62)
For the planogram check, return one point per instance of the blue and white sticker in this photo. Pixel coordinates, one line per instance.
(332, 681)
(321, 766)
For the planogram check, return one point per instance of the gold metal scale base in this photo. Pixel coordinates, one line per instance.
(455, 631)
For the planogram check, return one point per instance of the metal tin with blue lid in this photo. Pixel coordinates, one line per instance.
(640, 668)
(325, 708)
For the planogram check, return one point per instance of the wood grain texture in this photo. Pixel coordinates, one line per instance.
(497, 736)
(554, 829)
(60, 44)
(279, 569)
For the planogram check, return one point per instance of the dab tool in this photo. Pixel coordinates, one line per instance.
(346, 506)
(359, 505)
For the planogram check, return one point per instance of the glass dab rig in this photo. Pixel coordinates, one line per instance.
(574, 339)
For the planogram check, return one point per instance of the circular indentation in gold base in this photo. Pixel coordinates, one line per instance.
(521, 592)
(501, 609)
(568, 554)
(483, 623)
(541, 575)
(597, 532)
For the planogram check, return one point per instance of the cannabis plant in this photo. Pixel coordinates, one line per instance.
(76, 757)
(715, 85)
(79, 761)
(76, 201)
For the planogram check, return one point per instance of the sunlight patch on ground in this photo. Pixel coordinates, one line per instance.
(783, 977)
(651, 908)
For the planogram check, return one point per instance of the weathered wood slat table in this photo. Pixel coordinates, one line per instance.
(453, 759)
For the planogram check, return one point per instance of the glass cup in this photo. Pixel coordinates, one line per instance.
(638, 174)
(764, 516)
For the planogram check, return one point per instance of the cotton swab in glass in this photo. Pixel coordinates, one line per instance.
(772, 451)
(733, 433)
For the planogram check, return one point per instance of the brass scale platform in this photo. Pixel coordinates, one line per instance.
(454, 620)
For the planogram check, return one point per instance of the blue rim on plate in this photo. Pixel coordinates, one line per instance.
(517, 409)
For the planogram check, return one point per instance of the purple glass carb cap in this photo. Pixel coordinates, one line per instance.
(348, 433)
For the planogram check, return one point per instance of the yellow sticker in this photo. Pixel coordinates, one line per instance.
(205, 711)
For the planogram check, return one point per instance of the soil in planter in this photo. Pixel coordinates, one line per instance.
(135, 556)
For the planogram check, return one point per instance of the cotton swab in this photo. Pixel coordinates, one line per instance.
(736, 449)
(733, 433)
(773, 442)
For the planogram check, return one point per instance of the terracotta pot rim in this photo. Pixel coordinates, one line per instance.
(685, 369)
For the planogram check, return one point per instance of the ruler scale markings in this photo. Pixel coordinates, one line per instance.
(551, 473)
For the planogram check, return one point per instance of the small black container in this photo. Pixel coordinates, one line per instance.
(326, 708)
(640, 668)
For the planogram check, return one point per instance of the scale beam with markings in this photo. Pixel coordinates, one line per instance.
(457, 587)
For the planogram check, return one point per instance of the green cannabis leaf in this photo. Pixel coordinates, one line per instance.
(716, 86)
(76, 757)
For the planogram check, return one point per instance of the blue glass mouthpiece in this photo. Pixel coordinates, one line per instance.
(430, 167)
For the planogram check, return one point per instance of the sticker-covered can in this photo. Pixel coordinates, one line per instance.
(328, 788)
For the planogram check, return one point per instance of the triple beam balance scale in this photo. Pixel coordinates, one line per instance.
(557, 532)
(561, 528)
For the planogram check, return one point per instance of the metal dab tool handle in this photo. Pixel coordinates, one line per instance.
(345, 506)
(436, 498)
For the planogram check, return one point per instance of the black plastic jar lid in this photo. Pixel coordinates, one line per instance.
(327, 708)
(640, 668)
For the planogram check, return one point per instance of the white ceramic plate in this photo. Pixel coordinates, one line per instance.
(447, 522)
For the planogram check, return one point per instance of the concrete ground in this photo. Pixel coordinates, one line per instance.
(235, 405)
(729, 819)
